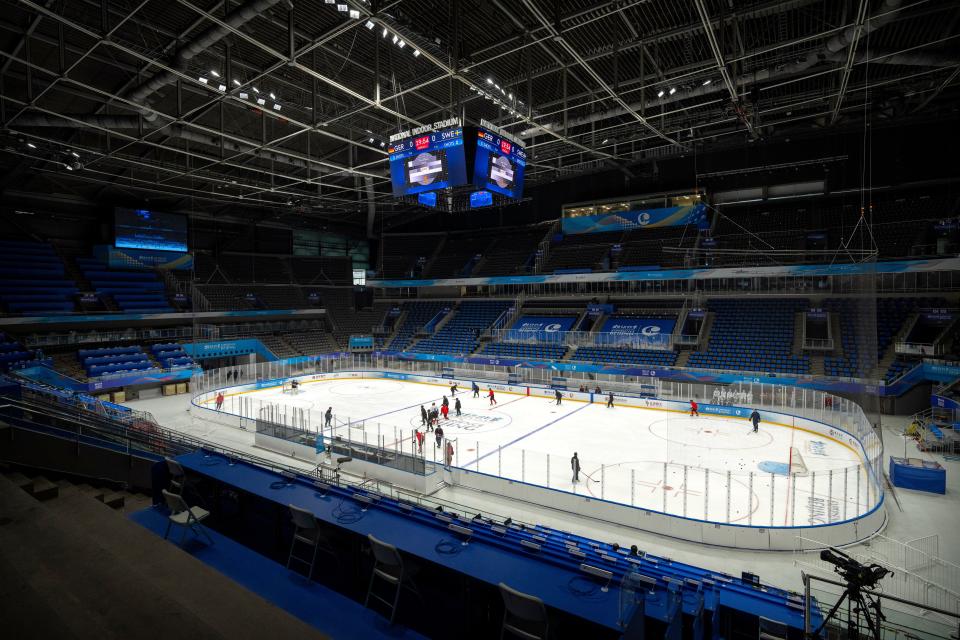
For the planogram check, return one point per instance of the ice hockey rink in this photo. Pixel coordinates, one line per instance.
(706, 468)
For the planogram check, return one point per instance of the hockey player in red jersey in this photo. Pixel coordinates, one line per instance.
(493, 399)
(694, 412)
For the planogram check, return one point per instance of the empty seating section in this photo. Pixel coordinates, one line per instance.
(856, 340)
(227, 297)
(417, 314)
(581, 251)
(511, 254)
(309, 270)
(171, 355)
(461, 332)
(14, 355)
(253, 268)
(405, 256)
(753, 335)
(898, 367)
(278, 346)
(311, 343)
(629, 357)
(647, 247)
(108, 360)
(457, 256)
(522, 351)
(137, 291)
(32, 279)
(349, 321)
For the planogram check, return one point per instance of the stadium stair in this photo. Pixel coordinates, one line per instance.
(82, 570)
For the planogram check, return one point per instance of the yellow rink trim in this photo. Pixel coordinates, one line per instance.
(860, 459)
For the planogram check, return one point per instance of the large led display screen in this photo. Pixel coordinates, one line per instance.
(143, 229)
(428, 162)
(499, 164)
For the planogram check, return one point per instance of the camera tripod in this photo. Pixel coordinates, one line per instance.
(858, 603)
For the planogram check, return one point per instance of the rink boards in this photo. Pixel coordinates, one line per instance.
(671, 524)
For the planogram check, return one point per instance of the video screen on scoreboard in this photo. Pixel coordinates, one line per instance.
(481, 199)
(143, 229)
(428, 162)
(499, 164)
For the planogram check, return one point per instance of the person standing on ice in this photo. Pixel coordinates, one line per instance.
(493, 399)
(439, 435)
(453, 389)
(456, 405)
(423, 416)
(575, 466)
(445, 410)
(610, 401)
(445, 402)
(328, 416)
(755, 419)
(558, 395)
(694, 412)
(476, 390)
(219, 400)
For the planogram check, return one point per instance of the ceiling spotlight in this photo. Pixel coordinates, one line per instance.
(382, 145)
(214, 73)
(416, 53)
(261, 101)
(707, 81)
(342, 8)
(510, 95)
(605, 141)
(276, 107)
(67, 167)
(385, 32)
(204, 80)
(222, 87)
(31, 145)
(660, 93)
(673, 90)
(395, 38)
(272, 96)
(330, 1)
(401, 44)
(489, 80)
(369, 24)
(371, 140)
(354, 14)
(244, 95)
(255, 90)
(75, 154)
(236, 82)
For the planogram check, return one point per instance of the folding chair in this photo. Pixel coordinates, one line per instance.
(524, 616)
(178, 477)
(307, 532)
(388, 567)
(183, 516)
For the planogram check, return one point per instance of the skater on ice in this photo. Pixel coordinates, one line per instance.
(439, 435)
(694, 410)
(755, 419)
(423, 416)
(220, 400)
(610, 401)
(456, 405)
(575, 466)
(493, 399)
(453, 389)
(476, 390)
(558, 396)
(328, 416)
(445, 410)
(445, 402)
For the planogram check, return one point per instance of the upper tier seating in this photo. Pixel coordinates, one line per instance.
(310, 343)
(457, 254)
(461, 332)
(32, 279)
(404, 256)
(418, 314)
(582, 251)
(511, 254)
(645, 247)
(339, 304)
(171, 355)
(320, 271)
(251, 296)
(253, 268)
(107, 360)
(14, 355)
(753, 335)
(138, 291)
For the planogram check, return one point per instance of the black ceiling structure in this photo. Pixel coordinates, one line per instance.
(267, 108)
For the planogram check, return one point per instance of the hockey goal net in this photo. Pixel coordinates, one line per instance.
(289, 387)
(797, 464)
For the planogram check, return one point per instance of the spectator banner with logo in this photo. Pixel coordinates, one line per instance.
(540, 328)
(638, 219)
(637, 331)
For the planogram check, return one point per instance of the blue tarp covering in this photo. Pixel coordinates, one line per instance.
(921, 475)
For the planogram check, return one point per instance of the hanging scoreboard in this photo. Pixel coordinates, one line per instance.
(427, 161)
(499, 164)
